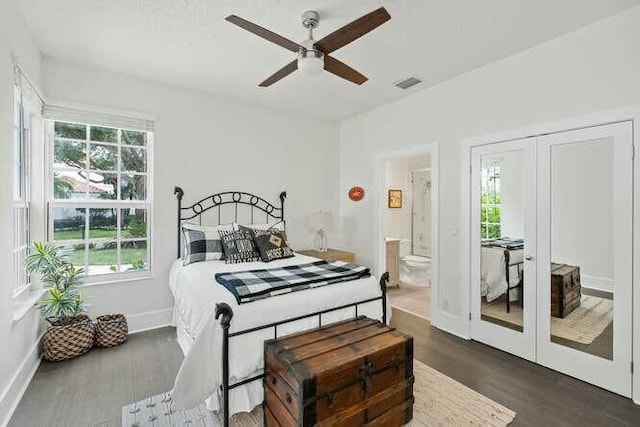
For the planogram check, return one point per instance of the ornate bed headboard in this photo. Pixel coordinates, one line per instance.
(255, 206)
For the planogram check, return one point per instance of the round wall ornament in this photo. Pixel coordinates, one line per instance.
(356, 194)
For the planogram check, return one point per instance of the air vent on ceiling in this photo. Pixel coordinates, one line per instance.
(408, 82)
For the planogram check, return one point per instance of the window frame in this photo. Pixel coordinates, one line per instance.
(20, 193)
(117, 204)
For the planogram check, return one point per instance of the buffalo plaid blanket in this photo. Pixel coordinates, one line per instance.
(252, 285)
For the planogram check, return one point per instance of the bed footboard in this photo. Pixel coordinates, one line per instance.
(225, 312)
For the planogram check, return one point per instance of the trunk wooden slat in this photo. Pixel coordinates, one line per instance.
(356, 372)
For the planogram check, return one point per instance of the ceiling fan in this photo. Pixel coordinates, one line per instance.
(313, 56)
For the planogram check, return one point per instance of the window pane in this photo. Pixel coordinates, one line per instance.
(134, 255)
(68, 223)
(103, 157)
(134, 223)
(102, 185)
(69, 154)
(132, 137)
(134, 159)
(133, 187)
(75, 253)
(20, 227)
(103, 258)
(494, 231)
(102, 224)
(70, 130)
(104, 134)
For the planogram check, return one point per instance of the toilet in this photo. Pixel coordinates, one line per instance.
(414, 270)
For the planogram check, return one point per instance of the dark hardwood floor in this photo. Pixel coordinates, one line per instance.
(91, 390)
(540, 396)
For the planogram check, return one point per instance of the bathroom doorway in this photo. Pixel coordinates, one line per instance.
(407, 223)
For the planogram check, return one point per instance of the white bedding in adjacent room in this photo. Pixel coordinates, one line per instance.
(196, 292)
(493, 280)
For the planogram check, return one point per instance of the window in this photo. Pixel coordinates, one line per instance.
(20, 200)
(100, 199)
(490, 222)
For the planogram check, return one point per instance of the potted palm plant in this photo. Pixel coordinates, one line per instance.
(70, 332)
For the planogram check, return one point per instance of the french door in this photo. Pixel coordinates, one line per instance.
(585, 219)
(503, 206)
(552, 251)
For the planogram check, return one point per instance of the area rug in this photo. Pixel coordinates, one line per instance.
(582, 325)
(413, 299)
(439, 401)
(442, 401)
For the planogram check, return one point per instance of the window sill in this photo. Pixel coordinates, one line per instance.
(24, 302)
(106, 280)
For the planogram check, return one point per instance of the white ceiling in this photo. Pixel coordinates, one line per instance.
(188, 42)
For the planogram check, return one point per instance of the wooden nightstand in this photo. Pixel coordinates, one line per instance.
(349, 257)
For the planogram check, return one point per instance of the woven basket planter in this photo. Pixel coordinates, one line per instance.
(111, 330)
(62, 342)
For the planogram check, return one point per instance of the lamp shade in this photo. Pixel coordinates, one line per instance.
(321, 220)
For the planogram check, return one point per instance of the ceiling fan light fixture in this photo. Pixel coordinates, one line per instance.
(310, 62)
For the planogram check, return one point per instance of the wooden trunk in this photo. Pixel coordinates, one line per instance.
(565, 289)
(352, 373)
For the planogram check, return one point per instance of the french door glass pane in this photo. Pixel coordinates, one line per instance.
(582, 246)
(502, 239)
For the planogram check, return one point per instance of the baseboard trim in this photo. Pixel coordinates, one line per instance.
(456, 325)
(18, 385)
(146, 321)
(599, 283)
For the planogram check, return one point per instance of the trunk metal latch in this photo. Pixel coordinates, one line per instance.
(365, 373)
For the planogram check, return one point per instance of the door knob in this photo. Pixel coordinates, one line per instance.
(528, 257)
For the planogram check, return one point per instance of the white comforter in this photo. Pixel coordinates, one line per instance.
(493, 280)
(196, 292)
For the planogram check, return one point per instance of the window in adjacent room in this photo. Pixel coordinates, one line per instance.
(100, 204)
(490, 222)
(20, 216)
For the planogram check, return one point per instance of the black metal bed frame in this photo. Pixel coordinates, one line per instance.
(223, 310)
(507, 265)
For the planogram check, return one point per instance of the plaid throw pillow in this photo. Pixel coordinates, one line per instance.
(238, 246)
(271, 244)
(202, 243)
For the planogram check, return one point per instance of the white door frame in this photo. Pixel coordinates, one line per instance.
(379, 200)
(539, 129)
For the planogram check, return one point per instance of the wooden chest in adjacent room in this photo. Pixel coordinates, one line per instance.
(352, 373)
(565, 289)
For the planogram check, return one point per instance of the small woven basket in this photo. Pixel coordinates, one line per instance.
(62, 342)
(111, 330)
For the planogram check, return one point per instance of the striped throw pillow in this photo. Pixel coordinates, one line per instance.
(202, 243)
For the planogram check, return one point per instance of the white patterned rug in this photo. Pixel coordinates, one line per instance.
(582, 325)
(439, 401)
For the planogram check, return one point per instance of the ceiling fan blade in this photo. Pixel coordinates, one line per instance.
(281, 73)
(353, 31)
(264, 33)
(341, 69)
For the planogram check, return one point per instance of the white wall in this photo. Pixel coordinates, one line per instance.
(595, 68)
(18, 339)
(398, 177)
(581, 214)
(205, 145)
